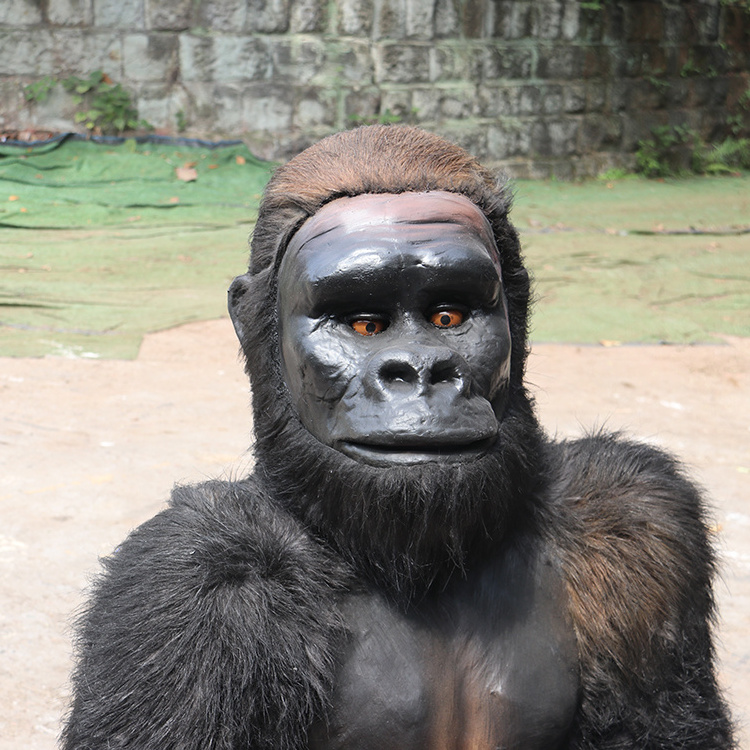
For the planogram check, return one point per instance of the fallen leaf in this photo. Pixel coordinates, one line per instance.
(174, 199)
(608, 342)
(13, 198)
(189, 164)
(186, 174)
(239, 159)
(213, 166)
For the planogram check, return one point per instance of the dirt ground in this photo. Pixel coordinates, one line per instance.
(89, 449)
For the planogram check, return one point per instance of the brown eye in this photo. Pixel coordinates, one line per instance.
(368, 326)
(449, 318)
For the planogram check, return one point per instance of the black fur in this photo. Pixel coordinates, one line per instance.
(216, 625)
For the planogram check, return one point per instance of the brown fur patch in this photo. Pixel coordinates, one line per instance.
(634, 554)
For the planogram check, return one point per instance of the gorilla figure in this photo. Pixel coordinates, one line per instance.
(413, 564)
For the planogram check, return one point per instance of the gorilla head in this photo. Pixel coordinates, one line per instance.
(383, 320)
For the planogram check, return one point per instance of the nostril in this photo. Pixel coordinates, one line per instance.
(443, 372)
(398, 372)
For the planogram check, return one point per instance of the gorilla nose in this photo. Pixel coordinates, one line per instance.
(415, 371)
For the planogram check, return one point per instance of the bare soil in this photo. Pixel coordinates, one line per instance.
(89, 449)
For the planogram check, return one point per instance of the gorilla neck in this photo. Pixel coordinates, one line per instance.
(405, 529)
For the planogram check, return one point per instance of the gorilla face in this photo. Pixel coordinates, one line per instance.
(395, 344)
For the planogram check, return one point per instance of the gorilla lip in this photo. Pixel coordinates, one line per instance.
(380, 454)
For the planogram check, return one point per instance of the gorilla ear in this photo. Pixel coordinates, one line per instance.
(235, 295)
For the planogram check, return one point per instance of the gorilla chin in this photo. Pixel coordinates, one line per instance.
(408, 526)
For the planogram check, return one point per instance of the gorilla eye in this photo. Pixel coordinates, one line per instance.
(368, 326)
(447, 318)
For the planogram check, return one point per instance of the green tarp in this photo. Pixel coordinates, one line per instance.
(103, 242)
(78, 183)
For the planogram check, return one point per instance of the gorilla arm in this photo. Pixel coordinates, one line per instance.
(211, 627)
(639, 566)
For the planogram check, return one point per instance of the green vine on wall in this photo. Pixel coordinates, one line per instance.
(104, 107)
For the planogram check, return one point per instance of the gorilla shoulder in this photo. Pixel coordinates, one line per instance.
(635, 553)
(220, 605)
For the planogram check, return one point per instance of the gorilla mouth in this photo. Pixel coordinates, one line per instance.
(379, 454)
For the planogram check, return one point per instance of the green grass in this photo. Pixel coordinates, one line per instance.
(104, 254)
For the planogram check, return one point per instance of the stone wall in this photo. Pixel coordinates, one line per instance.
(544, 87)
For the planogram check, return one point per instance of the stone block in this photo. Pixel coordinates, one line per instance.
(552, 100)
(402, 63)
(599, 132)
(643, 21)
(396, 102)
(591, 24)
(674, 24)
(596, 96)
(570, 25)
(361, 106)
(419, 19)
(26, 53)
(268, 16)
(150, 57)
(498, 101)
(705, 20)
(443, 65)
(69, 12)
(20, 13)
(222, 15)
(447, 16)
(574, 98)
(119, 14)
(57, 112)
(315, 108)
(268, 107)
(508, 139)
(512, 19)
(426, 102)
(709, 92)
(159, 103)
(474, 19)
(618, 94)
(60, 52)
(294, 59)
(561, 62)
(596, 61)
(546, 19)
(643, 95)
(224, 58)
(556, 137)
(469, 135)
(459, 102)
(175, 15)
(503, 62)
(529, 100)
(355, 17)
(390, 21)
(351, 60)
(307, 16)
(676, 91)
(638, 127)
(613, 22)
(225, 108)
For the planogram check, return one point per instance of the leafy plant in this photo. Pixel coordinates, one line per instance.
(668, 153)
(108, 108)
(181, 121)
(38, 91)
(729, 156)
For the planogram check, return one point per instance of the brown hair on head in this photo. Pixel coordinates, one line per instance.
(372, 159)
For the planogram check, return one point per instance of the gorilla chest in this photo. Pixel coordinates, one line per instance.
(490, 665)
